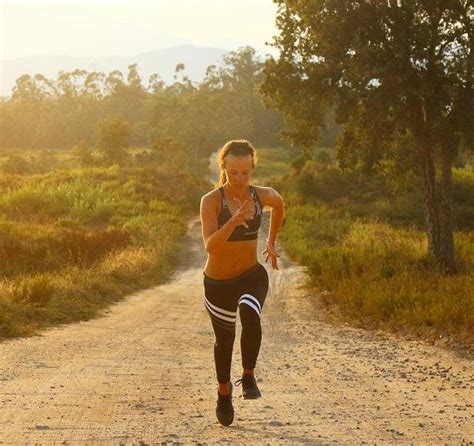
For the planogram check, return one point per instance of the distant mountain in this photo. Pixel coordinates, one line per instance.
(163, 62)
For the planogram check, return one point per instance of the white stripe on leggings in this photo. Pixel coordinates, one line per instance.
(220, 310)
(224, 318)
(245, 300)
(250, 304)
(251, 298)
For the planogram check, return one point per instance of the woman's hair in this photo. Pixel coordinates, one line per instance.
(236, 147)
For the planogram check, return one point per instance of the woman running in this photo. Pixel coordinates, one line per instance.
(233, 277)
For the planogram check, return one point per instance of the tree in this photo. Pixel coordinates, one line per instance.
(93, 85)
(156, 84)
(64, 112)
(239, 112)
(114, 138)
(84, 155)
(399, 74)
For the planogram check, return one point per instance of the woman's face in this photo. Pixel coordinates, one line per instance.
(238, 169)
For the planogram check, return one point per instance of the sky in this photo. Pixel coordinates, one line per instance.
(128, 27)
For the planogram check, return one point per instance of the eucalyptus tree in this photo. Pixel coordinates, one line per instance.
(233, 88)
(114, 138)
(400, 76)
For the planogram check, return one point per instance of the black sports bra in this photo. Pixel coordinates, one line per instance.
(241, 232)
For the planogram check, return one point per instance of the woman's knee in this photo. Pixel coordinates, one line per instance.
(250, 307)
(249, 317)
(224, 340)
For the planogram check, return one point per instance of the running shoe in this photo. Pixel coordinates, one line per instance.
(249, 387)
(224, 408)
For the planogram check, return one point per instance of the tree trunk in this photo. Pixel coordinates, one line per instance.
(446, 259)
(430, 200)
(436, 200)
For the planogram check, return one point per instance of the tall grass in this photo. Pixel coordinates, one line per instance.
(74, 240)
(272, 163)
(365, 246)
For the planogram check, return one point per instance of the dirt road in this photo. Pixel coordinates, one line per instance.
(144, 374)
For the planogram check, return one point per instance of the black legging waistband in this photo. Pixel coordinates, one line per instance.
(233, 279)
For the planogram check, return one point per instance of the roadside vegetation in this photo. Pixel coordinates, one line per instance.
(387, 227)
(99, 175)
(363, 242)
(76, 239)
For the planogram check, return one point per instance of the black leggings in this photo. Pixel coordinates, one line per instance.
(248, 292)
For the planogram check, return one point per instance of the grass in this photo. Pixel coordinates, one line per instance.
(364, 245)
(73, 240)
(272, 163)
(36, 300)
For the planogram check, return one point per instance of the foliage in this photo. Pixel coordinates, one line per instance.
(364, 254)
(399, 77)
(379, 196)
(74, 240)
(17, 164)
(114, 138)
(110, 110)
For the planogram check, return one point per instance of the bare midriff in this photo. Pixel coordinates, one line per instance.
(232, 260)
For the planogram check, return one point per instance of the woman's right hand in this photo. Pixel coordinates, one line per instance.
(243, 213)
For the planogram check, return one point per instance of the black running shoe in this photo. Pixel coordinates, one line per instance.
(224, 408)
(249, 387)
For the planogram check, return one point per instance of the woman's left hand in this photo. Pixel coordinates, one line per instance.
(270, 252)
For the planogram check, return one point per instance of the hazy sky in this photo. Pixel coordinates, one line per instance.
(129, 27)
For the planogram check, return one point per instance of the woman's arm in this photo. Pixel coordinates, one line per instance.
(213, 236)
(273, 199)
